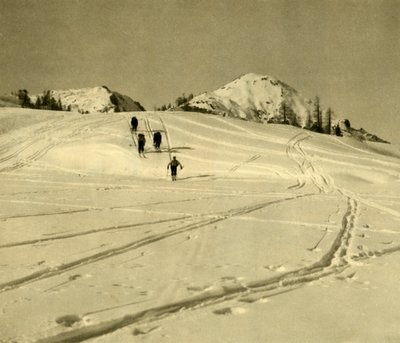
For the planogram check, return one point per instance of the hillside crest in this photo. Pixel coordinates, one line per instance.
(92, 99)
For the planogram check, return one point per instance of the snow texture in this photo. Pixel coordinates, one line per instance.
(270, 234)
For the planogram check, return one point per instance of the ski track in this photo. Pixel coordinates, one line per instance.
(88, 232)
(251, 159)
(168, 136)
(200, 223)
(110, 186)
(276, 140)
(249, 134)
(147, 126)
(295, 152)
(56, 128)
(230, 145)
(111, 228)
(334, 261)
(150, 130)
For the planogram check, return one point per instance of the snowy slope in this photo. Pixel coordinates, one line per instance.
(256, 97)
(270, 234)
(94, 99)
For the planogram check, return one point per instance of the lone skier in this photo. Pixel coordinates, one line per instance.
(134, 124)
(174, 166)
(141, 143)
(157, 140)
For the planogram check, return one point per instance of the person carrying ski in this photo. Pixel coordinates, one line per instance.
(141, 143)
(157, 140)
(134, 124)
(174, 166)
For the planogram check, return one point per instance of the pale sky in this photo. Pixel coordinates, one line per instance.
(346, 52)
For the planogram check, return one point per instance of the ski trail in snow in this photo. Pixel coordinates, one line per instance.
(308, 169)
(167, 135)
(147, 126)
(196, 224)
(239, 128)
(251, 159)
(47, 137)
(240, 147)
(334, 261)
(93, 231)
(326, 184)
(338, 255)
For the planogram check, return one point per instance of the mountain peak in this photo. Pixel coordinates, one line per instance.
(251, 77)
(256, 97)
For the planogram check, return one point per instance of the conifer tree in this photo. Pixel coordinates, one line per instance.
(329, 114)
(38, 102)
(46, 100)
(284, 111)
(317, 114)
(24, 99)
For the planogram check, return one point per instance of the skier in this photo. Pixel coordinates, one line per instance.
(141, 143)
(157, 140)
(134, 124)
(174, 166)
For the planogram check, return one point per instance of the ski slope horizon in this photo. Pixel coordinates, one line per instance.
(271, 233)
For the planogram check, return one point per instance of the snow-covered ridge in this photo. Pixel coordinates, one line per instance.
(256, 97)
(94, 99)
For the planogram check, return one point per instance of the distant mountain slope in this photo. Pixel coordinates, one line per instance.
(256, 97)
(9, 101)
(124, 103)
(94, 99)
(366, 136)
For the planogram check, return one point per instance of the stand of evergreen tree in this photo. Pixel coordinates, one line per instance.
(43, 102)
(180, 101)
(24, 99)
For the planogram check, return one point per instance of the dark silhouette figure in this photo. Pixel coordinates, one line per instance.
(157, 138)
(134, 124)
(141, 143)
(174, 166)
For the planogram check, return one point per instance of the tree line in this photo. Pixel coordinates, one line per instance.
(180, 101)
(321, 121)
(318, 120)
(44, 101)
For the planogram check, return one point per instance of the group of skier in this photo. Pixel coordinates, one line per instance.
(157, 138)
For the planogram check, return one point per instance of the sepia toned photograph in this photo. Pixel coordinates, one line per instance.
(199, 171)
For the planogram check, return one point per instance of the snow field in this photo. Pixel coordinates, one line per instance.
(265, 236)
